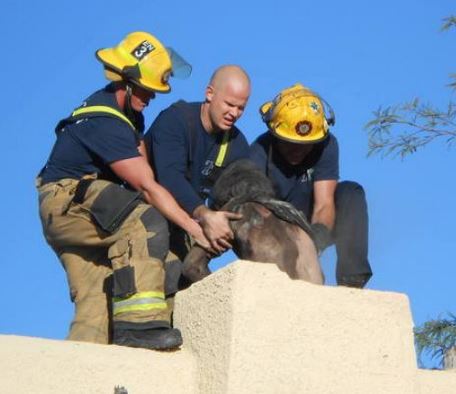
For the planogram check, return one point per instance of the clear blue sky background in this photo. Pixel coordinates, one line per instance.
(357, 54)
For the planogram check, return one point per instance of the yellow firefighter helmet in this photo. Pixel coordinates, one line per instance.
(299, 115)
(142, 59)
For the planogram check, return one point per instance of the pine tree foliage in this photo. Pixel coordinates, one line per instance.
(403, 129)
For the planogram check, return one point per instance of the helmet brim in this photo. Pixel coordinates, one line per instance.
(285, 136)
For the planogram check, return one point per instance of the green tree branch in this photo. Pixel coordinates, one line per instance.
(403, 129)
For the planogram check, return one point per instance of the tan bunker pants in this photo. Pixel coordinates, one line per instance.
(115, 276)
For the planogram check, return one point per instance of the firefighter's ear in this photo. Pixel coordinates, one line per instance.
(209, 93)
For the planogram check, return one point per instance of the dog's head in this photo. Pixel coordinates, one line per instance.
(242, 180)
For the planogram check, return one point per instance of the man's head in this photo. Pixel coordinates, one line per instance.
(226, 97)
(297, 118)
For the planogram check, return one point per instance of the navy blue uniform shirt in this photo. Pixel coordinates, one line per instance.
(294, 184)
(183, 161)
(89, 145)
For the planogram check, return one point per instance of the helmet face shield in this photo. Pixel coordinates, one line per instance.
(180, 67)
(298, 115)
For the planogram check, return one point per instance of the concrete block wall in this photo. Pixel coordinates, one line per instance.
(247, 328)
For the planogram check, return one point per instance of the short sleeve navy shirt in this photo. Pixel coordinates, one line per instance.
(294, 184)
(90, 144)
(184, 159)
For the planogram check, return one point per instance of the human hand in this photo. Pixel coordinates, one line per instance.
(217, 228)
(198, 236)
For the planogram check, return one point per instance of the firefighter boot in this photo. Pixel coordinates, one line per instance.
(357, 281)
(136, 335)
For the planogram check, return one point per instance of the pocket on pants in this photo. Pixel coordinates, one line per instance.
(113, 205)
(123, 284)
(107, 204)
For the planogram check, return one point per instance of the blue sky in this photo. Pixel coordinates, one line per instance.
(358, 55)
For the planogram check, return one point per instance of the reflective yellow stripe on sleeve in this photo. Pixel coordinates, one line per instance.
(103, 108)
(222, 151)
(143, 301)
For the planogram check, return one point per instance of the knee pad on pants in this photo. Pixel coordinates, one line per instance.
(158, 243)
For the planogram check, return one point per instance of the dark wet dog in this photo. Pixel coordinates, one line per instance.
(270, 231)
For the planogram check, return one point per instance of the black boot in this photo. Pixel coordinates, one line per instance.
(153, 335)
(357, 281)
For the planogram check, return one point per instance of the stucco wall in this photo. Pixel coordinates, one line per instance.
(42, 366)
(435, 382)
(280, 335)
(248, 328)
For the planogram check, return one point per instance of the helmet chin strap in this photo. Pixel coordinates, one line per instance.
(128, 109)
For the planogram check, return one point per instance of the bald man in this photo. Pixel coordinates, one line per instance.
(189, 146)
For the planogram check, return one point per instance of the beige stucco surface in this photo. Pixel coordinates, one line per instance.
(247, 328)
(436, 382)
(279, 335)
(42, 366)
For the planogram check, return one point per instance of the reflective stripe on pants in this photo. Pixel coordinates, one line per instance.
(144, 301)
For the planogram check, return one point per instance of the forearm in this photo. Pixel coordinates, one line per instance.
(138, 174)
(324, 214)
(324, 209)
(160, 198)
